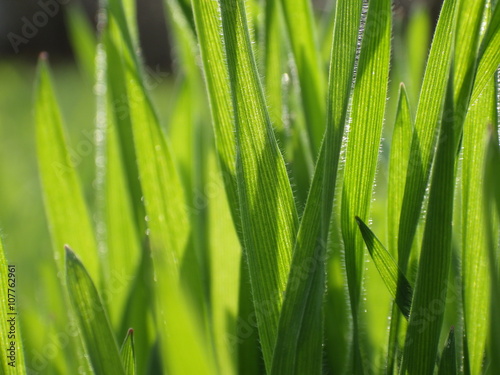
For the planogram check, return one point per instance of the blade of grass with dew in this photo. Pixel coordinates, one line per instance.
(422, 338)
(398, 161)
(184, 345)
(82, 39)
(225, 258)
(267, 207)
(92, 318)
(489, 56)
(427, 122)
(363, 147)
(299, 346)
(127, 353)
(394, 279)
(492, 208)
(65, 205)
(209, 31)
(11, 345)
(448, 361)
(302, 35)
(476, 278)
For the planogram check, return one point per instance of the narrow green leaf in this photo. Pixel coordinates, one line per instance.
(65, 206)
(83, 39)
(364, 140)
(398, 162)
(267, 208)
(427, 122)
(476, 277)
(92, 318)
(395, 280)
(127, 353)
(299, 344)
(448, 362)
(429, 298)
(302, 35)
(489, 56)
(11, 344)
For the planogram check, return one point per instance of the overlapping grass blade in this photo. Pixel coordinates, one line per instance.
(448, 362)
(11, 344)
(489, 55)
(363, 146)
(427, 120)
(476, 277)
(83, 40)
(65, 205)
(183, 345)
(395, 280)
(299, 343)
(267, 208)
(422, 338)
(92, 318)
(127, 353)
(302, 35)
(492, 208)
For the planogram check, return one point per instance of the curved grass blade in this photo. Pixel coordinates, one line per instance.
(184, 345)
(422, 338)
(209, 30)
(476, 277)
(394, 279)
(82, 39)
(302, 34)
(92, 318)
(127, 353)
(492, 208)
(427, 120)
(298, 347)
(448, 362)
(11, 344)
(267, 208)
(65, 205)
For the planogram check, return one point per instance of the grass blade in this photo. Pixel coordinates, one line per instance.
(92, 318)
(448, 362)
(65, 206)
(427, 119)
(302, 34)
(422, 338)
(299, 344)
(476, 278)
(268, 213)
(127, 353)
(12, 359)
(394, 279)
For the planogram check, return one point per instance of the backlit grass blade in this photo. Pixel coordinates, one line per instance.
(209, 31)
(11, 344)
(492, 209)
(92, 318)
(429, 297)
(489, 55)
(65, 205)
(476, 277)
(301, 28)
(267, 208)
(394, 279)
(225, 258)
(398, 162)
(427, 120)
(82, 39)
(363, 146)
(127, 353)
(299, 345)
(448, 362)
(183, 344)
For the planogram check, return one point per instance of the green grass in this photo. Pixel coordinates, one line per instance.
(274, 209)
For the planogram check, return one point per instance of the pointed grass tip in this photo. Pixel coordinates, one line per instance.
(358, 220)
(43, 56)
